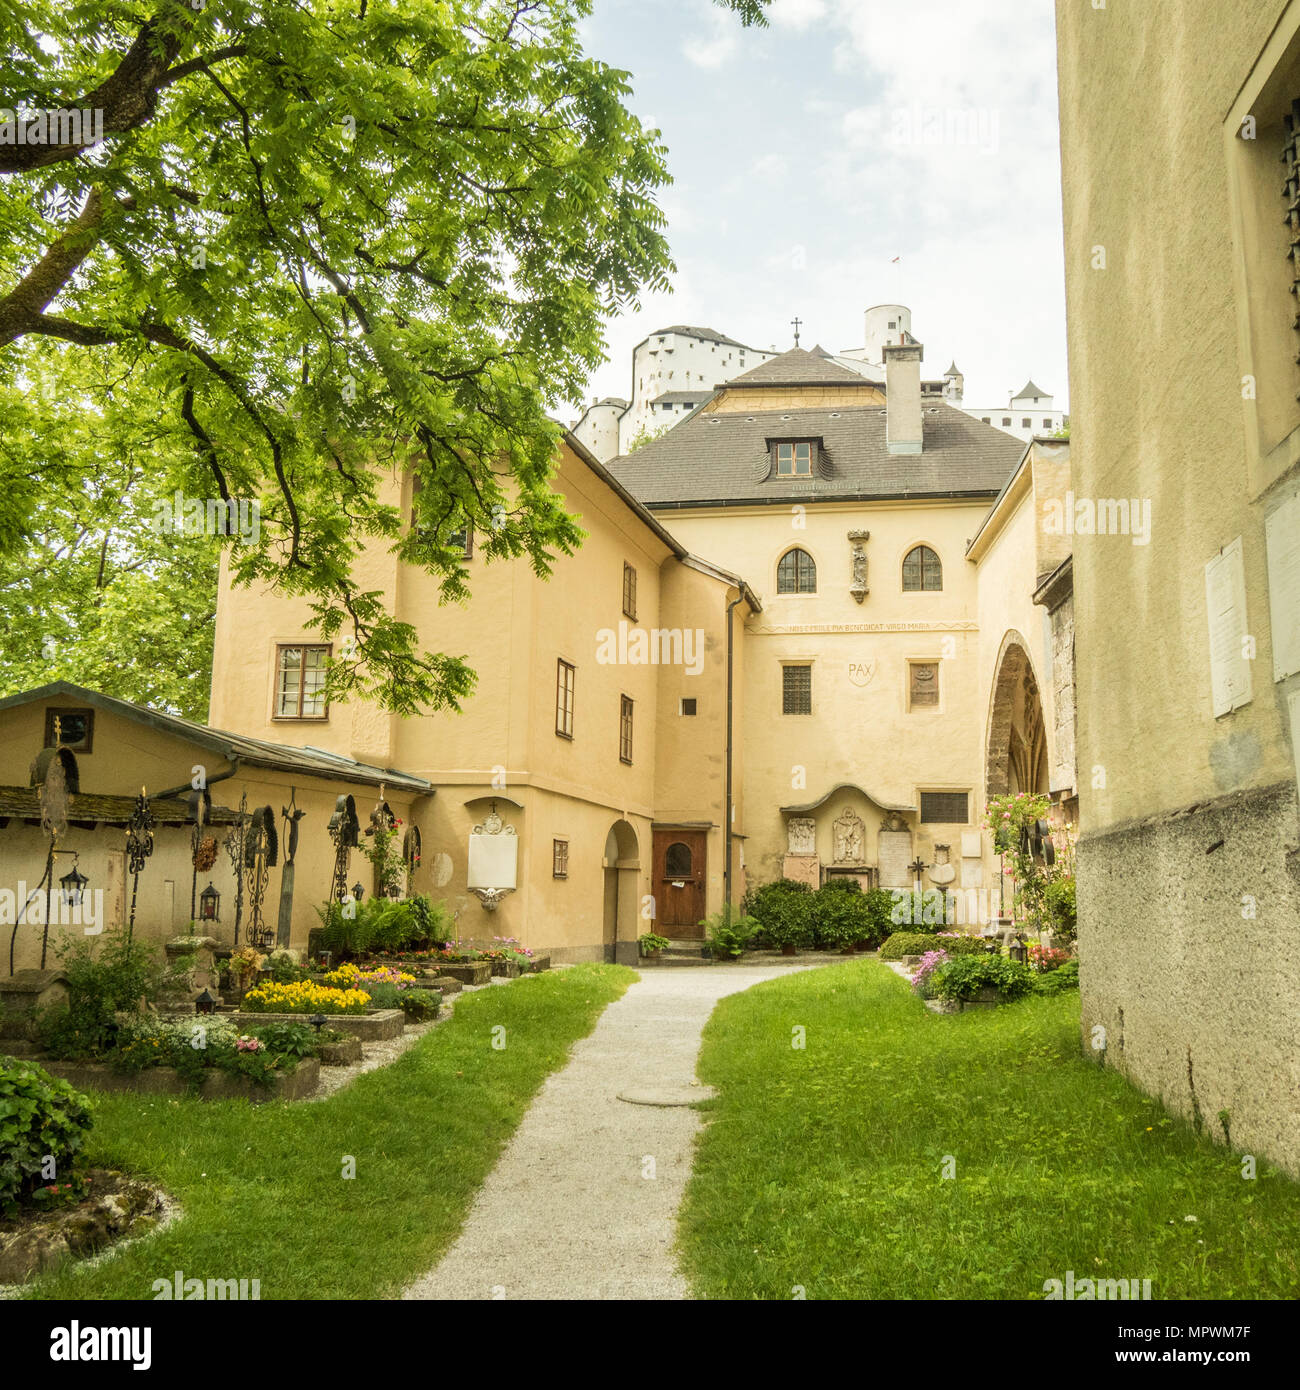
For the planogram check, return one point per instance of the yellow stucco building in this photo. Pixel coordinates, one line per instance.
(1182, 219)
(812, 602)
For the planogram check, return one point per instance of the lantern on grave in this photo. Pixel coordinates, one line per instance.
(205, 1003)
(209, 904)
(73, 884)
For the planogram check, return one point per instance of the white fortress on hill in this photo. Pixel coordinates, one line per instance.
(677, 369)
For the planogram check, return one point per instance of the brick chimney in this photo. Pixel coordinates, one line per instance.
(903, 395)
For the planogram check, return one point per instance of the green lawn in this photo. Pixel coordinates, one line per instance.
(821, 1168)
(262, 1187)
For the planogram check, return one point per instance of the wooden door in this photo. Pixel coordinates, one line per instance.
(679, 879)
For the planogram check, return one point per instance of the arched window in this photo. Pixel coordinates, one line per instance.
(796, 573)
(922, 570)
(677, 861)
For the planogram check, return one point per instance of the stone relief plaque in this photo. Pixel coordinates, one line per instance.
(801, 833)
(850, 838)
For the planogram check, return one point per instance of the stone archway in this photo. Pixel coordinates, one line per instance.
(1016, 746)
(622, 865)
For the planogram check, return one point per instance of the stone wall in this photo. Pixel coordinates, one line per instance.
(1196, 995)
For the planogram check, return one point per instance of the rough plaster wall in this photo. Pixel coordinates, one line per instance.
(1175, 973)
(1195, 813)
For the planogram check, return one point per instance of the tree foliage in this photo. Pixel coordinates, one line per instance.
(321, 244)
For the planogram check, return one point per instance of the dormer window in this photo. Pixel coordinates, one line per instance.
(794, 460)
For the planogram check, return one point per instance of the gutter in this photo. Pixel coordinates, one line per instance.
(726, 810)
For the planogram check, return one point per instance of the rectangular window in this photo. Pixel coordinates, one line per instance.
(462, 540)
(923, 684)
(625, 729)
(559, 858)
(1026, 424)
(944, 808)
(76, 728)
(629, 591)
(794, 460)
(564, 678)
(796, 690)
(1047, 424)
(688, 706)
(1006, 419)
(986, 421)
(300, 682)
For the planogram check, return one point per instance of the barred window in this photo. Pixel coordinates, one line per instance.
(625, 729)
(796, 573)
(564, 681)
(300, 682)
(922, 570)
(629, 591)
(796, 690)
(945, 808)
(559, 858)
(923, 684)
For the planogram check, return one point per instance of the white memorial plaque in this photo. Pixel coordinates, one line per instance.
(1225, 601)
(972, 844)
(895, 855)
(493, 854)
(1282, 533)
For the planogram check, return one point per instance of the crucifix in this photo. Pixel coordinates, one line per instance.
(796, 323)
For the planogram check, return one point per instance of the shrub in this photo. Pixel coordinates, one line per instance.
(1060, 907)
(430, 921)
(840, 918)
(1057, 981)
(287, 1039)
(115, 977)
(419, 1005)
(960, 945)
(40, 1117)
(841, 883)
(783, 910)
(284, 969)
(906, 943)
(964, 976)
(727, 934)
(880, 906)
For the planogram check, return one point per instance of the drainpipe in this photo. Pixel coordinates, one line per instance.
(726, 809)
(209, 782)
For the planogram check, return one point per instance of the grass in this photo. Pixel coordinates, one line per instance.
(262, 1188)
(821, 1168)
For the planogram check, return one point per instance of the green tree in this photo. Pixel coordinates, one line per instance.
(321, 241)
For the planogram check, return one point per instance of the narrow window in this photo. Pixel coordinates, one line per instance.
(559, 858)
(796, 573)
(796, 690)
(922, 571)
(923, 685)
(564, 674)
(300, 682)
(688, 706)
(629, 591)
(625, 729)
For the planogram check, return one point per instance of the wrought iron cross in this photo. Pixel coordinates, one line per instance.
(796, 323)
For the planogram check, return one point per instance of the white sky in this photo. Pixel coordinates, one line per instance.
(808, 156)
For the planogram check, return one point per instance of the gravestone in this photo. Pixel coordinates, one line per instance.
(24, 994)
(895, 855)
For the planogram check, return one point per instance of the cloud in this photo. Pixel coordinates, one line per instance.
(715, 47)
(796, 14)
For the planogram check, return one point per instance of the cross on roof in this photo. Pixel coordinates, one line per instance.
(796, 323)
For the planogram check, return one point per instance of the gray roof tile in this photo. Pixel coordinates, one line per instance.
(712, 457)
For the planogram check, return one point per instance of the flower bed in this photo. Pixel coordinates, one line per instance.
(304, 997)
(379, 1025)
(212, 1084)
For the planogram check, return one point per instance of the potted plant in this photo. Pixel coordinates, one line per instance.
(651, 945)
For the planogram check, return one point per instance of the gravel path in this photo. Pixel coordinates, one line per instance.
(583, 1201)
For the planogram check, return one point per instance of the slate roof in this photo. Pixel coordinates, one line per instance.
(716, 458)
(798, 367)
(255, 752)
(686, 330)
(1030, 390)
(705, 393)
